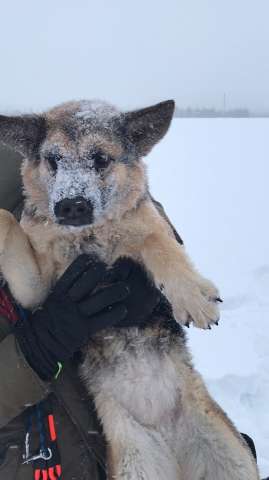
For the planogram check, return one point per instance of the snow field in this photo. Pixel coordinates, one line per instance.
(212, 177)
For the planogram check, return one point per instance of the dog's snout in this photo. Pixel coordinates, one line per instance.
(74, 211)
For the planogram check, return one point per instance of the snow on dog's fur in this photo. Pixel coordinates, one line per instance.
(158, 418)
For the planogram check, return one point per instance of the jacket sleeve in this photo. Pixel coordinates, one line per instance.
(20, 386)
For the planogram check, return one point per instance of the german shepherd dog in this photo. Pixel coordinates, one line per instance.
(86, 191)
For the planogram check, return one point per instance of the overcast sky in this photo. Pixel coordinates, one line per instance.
(134, 52)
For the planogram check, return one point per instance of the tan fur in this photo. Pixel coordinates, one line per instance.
(13, 239)
(158, 418)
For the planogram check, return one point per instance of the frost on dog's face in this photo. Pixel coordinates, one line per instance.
(83, 160)
(85, 165)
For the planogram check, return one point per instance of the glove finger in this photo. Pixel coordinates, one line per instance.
(107, 318)
(143, 298)
(120, 270)
(87, 281)
(104, 298)
(74, 271)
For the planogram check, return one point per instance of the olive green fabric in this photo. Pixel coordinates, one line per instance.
(31, 391)
(10, 182)
(79, 439)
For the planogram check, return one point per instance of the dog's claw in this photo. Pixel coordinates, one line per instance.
(198, 307)
(209, 327)
(218, 299)
(216, 322)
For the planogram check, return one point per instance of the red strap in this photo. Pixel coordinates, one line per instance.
(59, 470)
(7, 308)
(52, 429)
(55, 472)
(44, 475)
(37, 474)
(52, 475)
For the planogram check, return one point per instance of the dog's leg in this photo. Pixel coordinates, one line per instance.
(135, 389)
(17, 262)
(207, 443)
(135, 452)
(216, 453)
(192, 297)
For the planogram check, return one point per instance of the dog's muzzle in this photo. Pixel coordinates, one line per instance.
(74, 211)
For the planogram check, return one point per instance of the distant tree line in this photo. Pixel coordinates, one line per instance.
(212, 113)
(215, 113)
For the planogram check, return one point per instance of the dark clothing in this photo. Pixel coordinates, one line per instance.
(87, 299)
(79, 439)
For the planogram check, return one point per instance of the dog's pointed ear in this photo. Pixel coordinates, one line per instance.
(23, 133)
(144, 128)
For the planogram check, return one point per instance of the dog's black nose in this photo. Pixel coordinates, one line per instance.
(74, 211)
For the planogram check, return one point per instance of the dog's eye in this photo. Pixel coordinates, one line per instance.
(101, 160)
(53, 159)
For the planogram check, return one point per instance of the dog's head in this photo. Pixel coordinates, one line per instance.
(83, 160)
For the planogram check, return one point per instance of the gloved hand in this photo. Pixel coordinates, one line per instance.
(86, 299)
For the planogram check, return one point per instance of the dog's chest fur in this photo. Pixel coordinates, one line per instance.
(55, 249)
(133, 366)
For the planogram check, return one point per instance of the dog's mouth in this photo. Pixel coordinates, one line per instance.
(74, 222)
(75, 212)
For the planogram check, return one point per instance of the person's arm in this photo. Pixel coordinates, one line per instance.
(20, 386)
(75, 310)
(88, 297)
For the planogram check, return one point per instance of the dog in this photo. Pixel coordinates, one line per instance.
(86, 191)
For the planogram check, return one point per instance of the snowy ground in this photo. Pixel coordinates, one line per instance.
(212, 176)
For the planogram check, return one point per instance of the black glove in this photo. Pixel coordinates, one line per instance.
(86, 299)
(143, 297)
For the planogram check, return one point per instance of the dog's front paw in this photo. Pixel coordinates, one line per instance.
(204, 310)
(198, 303)
(208, 289)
